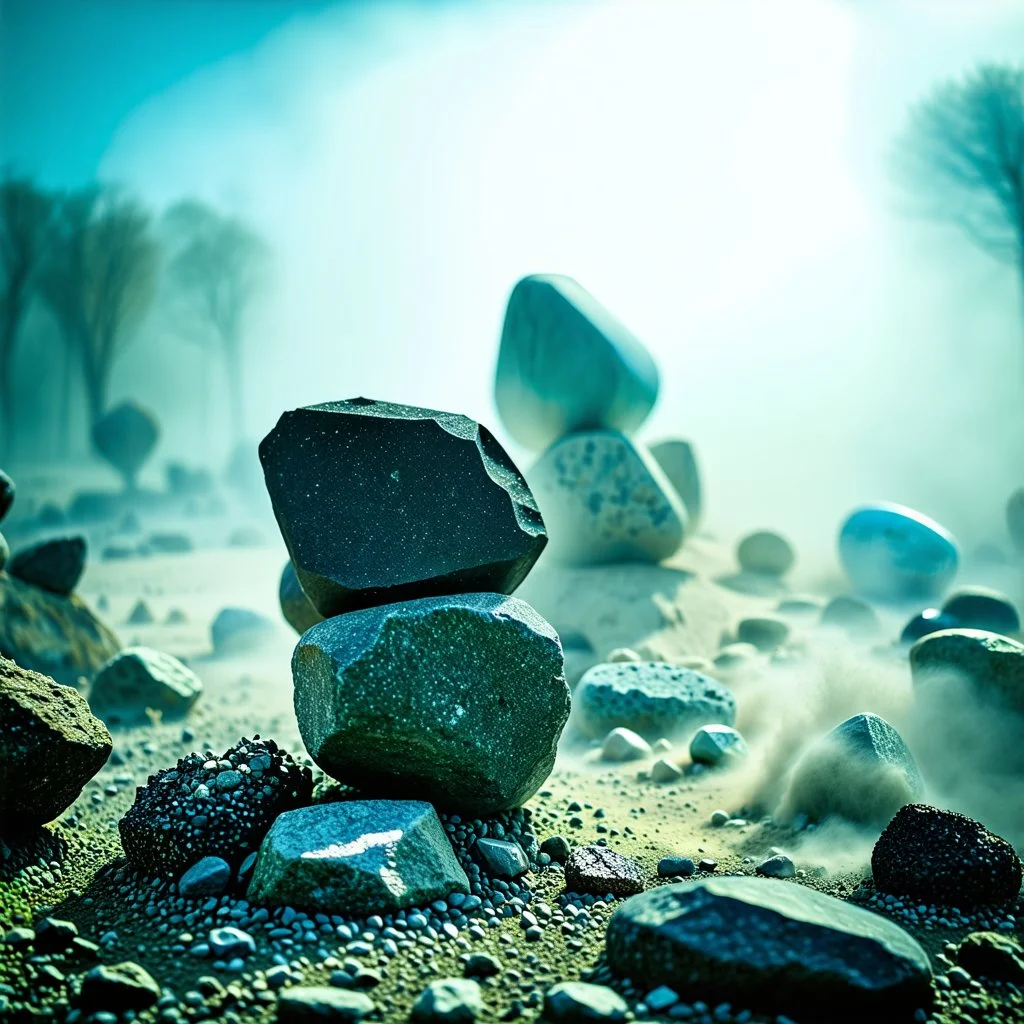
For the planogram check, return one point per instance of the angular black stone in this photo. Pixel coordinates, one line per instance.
(380, 503)
(54, 565)
(598, 870)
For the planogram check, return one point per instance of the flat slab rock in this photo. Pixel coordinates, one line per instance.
(566, 364)
(605, 499)
(771, 946)
(456, 700)
(600, 871)
(51, 745)
(653, 698)
(358, 856)
(58, 636)
(380, 503)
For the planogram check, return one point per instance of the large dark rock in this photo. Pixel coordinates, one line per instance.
(7, 491)
(861, 770)
(125, 437)
(117, 987)
(51, 745)
(297, 609)
(380, 503)
(58, 636)
(357, 857)
(212, 807)
(653, 698)
(944, 857)
(566, 364)
(770, 946)
(456, 700)
(55, 565)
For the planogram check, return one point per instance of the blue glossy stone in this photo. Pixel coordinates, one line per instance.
(891, 552)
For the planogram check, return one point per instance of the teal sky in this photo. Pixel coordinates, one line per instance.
(72, 70)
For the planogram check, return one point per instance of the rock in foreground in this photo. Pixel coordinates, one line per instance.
(566, 364)
(357, 857)
(772, 946)
(605, 499)
(212, 807)
(456, 700)
(140, 678)
(58, 636)
(51, 745)
(653, 698)
(944, 857)
(991, 664)
(862, 771)
(891, 552)
(380, 503)
(321, 1004)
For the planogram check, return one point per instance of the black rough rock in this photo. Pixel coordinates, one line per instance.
(600, 871)
(51, 745)
(944, 857)
(118, 987)
(54, 565)
(380, 503)
(212, 807)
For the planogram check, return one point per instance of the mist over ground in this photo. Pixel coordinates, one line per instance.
(715, 173)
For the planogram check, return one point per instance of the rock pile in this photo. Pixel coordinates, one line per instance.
(408, 529)
(574, 382)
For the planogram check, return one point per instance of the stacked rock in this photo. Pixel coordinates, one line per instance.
(408, 529)
(574, 382)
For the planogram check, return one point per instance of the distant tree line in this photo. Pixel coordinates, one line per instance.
(94, 261)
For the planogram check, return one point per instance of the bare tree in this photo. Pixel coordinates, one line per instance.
(99, 280)
(216, 264)
(962, 160)
(25, 216)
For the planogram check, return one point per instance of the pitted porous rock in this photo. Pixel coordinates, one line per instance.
(653, 698)
(212, 807)
(944, 857)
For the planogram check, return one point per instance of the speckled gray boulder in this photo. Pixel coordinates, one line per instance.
(604, 499)
(457, 700)
(51, 745)
(379, 503)
(770, 946)
(862, 771)
(679, 464)
(356, 857)
(653, 698)
(566, 364)
(992, 664)
(138, 678)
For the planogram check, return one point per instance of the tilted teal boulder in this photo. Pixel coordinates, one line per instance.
(893, 553)
(771, 946)
(356, 857)
(566, 364)
(457, 700)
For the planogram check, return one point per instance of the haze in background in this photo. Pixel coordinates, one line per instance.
(712, 170)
